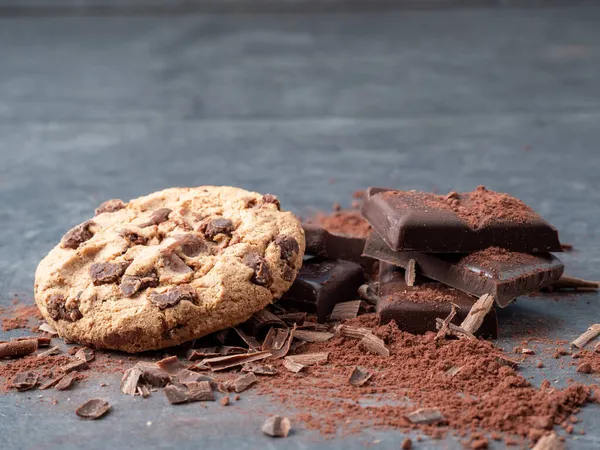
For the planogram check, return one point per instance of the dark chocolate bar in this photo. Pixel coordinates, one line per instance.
(320, 285)
(503, 274)
(416, 308)
(457, 223)
(324, 244)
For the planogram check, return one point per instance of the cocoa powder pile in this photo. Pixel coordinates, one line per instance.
(342, 222)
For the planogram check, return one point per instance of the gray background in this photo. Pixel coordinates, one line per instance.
(310, 107)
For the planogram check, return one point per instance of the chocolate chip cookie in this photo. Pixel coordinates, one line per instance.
(169, 267)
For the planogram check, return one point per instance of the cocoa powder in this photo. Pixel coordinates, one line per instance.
(19, 316)
(342, 222)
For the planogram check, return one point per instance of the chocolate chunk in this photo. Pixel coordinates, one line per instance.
(77, 235)
(288, 248)
(262, 273)
(110, 206)
(133, 237)
(277, 426)
(415, 309)
(65, 382)
(176, 394)
(261, 322)
(271, 199)
(157, 217)
(85, 354)
(217, 226)
(93, 409)
(106, 273)
(320, 285)
(190, 245)
(130, 284)
(57, 309)
(75, 366)
(153, 375)
(418, 221)
(173, 296)
(243, 382)
(324, 244)
(129, 382)
(359, 376)
(23, 381)
(174, 263)
(503, 274)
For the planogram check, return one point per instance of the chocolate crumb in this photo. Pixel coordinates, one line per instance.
(277, 426)
(224, 401)
(585, 368)
(425, 416)
(93, 409)
(359, 376)
(85, 354)
(406, 444)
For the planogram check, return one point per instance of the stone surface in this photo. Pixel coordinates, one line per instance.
(307, 107)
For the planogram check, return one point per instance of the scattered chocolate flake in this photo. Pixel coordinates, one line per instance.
(47, 328)
(345, 310)
(217, 226)
(85, 354)
(271, 199)
(227, 362)
(133, 237)
(66, 382)
(478, 311)
(18, 349)
(23, 381)
(93, 409)
(171, 365)
(313, 336)
(277, 426)
(173, 296)
(275, 339)
(425, 416)
(176, 394)
(224, 401)
(75, 366)
(309, 359)
(567, 282)
(231, 350)
(454, 330)
(52, 382)
(292, 366)
(259, 369)
(373, 344)
(130, 380)
(130, 284)
(200, 353)
(527, 351)
(153, 375)
(453, 371)
(549, 442)
(410, 274)
(143, 391)
(250, 341)
(285, 348)
(50, 352)
(368, 293)
(106, 273)
(288, 248)
(359, 376)
(352, 332)
(262, 273)
(260, 322)
(200, 391)
(591, 333)
(110, 206)
(157, 217)
(241, 383)
(187, 376)
(504, 361)
(77, 235)
(441, 334)
(293, 318)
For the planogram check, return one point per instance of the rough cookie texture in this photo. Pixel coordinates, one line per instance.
(169, 267)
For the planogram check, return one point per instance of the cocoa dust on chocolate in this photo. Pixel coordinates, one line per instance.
(342, 222)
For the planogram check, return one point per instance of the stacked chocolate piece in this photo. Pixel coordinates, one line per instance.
(436, 251)
(436, 255)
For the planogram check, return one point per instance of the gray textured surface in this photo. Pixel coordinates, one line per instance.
(311, 108)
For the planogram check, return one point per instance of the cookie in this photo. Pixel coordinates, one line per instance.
(169, 267)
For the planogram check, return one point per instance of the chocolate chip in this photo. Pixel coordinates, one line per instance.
(288, 273)
(110, 206)
(77, 235)
(288, 247)
(174, 263)
(268, 198)
(159, 216)
(190, 245)
(262, 273)
(57, 309)
(217, 226)
(133, 237)
(249, 202)
(173, 296)
(93, 409)
(130, 284)
(105, 273)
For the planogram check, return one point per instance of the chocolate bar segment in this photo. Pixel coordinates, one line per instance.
(503, 274)
(320, 285)
(457, 223)
(322, 243)
(416, 308)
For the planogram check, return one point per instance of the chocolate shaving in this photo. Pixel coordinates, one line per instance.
(359, 376)
(504, 361)
(454, 330)
(130, 380)
(425, 416)
(312, 336)
(277, 354)
(345, 310)
(50, 352)
(453, 371)
(93, 409)
(227, 362)
(75, 366)
(292, 366)
(477, 313)
(143, 391)
(275, 339)
(65, 382)
(53, 381)
(293, 318)
(18, 349)
(187, 376)
(441, 334)
(309, 359)
(373, 344)
(241, 383)
(591, 333)
(171, 365)
(259, 369)
(277, 426)
(368, 293)
(257, 324)
(200, 353)
(549, 442)
(153, 375)
(410, 273)
(85, 354)
(352, 332)
(47, 328)
(23, 381)
(41, 340)
(250, 341)
(567, 282)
